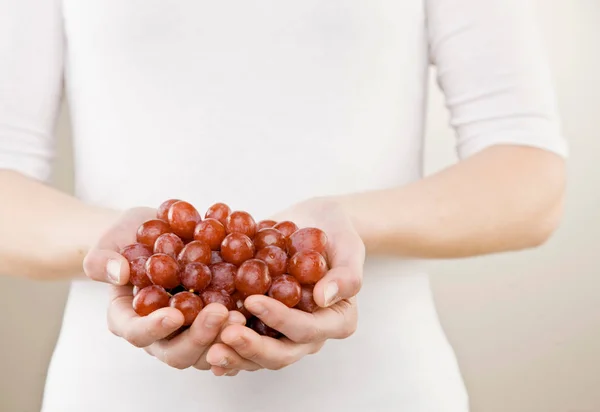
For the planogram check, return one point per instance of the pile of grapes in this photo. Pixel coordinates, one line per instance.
(183, 261)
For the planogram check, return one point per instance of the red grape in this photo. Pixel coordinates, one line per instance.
(149, 231)
(286, 289)
(241, 222)
(211, 232)
(217, 296)
(135, 291)
(307, 302)
(188, 304)
(215, 257)
(169, 244)
(275, 258)
(137, 273)
(269, 237)
(218, 211)
(307, 267)
(163, 210)
(163, 270)
(150, 299)
(195, 277)
(261, 328)
(136, 250)
(263, 224)
(286, 227)
(306, 239)
(238, 300)
(183, 218)
(252, 278)
(237, 248)
(223, 277)
(195, 251)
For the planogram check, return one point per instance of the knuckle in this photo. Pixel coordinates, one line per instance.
(355, 284)
(134, 338)
(175, 362)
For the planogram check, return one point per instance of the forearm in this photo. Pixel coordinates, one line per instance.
(504, 198)
(45, 234)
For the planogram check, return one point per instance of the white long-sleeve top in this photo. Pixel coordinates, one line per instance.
(261, 104)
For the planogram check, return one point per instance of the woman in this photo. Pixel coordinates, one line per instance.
(311, 111)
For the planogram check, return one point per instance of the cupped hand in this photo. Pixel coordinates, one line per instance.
(305, 333)
(104, 263)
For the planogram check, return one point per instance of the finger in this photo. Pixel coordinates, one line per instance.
(344, 280)
(217, 371)
(223, 357)
(269, 353)
(336, 322)
(106, 265)
(140, 331)
(187, 349)
(234, 318)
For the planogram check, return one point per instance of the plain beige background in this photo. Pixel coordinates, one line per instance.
(526, 326)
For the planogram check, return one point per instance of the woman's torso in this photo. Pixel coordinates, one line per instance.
(260, 105)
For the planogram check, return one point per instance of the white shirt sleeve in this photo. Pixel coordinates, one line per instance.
(31, 65)
(491, 66)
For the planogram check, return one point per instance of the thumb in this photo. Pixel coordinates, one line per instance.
(106, 266)
(339, 283)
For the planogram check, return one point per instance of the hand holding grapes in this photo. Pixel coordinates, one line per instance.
(334, 311)
(119, 260)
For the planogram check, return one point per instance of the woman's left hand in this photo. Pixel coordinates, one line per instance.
(306, 333)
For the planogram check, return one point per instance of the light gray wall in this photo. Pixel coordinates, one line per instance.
(526, 326)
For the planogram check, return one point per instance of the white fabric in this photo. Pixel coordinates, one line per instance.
(260, 104)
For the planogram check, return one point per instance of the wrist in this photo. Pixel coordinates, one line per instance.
(71, 238)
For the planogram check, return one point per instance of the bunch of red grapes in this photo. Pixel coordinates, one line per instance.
(186, 262)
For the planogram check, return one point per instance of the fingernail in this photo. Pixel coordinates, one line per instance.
(213, 320)
(169, 323)
(258, 309)
(113, 270)
(331, 291)
(223, 362)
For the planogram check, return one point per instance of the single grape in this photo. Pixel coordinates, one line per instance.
(137, 273)
(262, 329)
(169, 244)
(188, 304)
(211, 232)
(286, 289)
(163, 270)
(286, 227)
(263, 224)
(237, 248)
(307, 267)
(275, 258)
(163, 210)
(217, 296)
(149, 231)
(307, 302)
(183, 218)
(215, 257)
(195, 251)
(238, 300)
(136, 250)
(241, 222)
(252, 278)
(218, 211)
(269, 237)
(306, 239)
(223, 277)
(150, 299)
(195, 277)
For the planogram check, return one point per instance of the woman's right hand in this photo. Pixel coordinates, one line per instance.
(104, 263)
